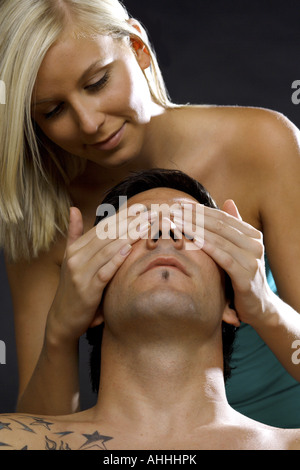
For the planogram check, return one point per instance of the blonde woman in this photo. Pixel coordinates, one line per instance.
(86, 104)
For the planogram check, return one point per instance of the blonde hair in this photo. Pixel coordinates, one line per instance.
(34, 172)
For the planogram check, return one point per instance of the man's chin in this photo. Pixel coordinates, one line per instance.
(165, 302)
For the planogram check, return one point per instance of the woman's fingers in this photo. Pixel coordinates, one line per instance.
(236, 247)
(233, 244)
(117, 225)
(220, 223)
(215, 219)
(75, 229)
(102, 257)
(77, 239)
(106, 272)
(110, 229)
(236, 261)
(108, 259)
(230, 207)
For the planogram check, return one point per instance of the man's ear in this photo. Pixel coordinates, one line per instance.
(140, 49)
(230, 316)
(98, 318)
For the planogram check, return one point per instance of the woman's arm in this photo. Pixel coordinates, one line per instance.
(48, 381)
(280, 214)
(55, 305)
(238, 249)
(265, 160)
(270, 147)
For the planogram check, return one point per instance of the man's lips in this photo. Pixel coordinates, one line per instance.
(166, 262)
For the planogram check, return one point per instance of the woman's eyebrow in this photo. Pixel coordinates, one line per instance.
(90, 69)
(83, 76)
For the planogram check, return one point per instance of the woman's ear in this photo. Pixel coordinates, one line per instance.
(140, 49)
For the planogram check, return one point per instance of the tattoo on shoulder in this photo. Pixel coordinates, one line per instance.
(44, 433)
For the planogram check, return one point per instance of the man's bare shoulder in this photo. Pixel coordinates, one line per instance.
(29, 432)
(282, 439)
(292, 438)
(253, 435)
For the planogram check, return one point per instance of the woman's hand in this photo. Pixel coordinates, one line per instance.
(89, 264)
(238, 248)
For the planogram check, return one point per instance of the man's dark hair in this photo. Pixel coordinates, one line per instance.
(134, 184)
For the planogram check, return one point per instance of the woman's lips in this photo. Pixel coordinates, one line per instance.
(111, 142)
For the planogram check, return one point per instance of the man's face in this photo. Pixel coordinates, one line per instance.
(164, 286)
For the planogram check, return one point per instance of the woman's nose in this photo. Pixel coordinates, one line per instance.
(89, 120)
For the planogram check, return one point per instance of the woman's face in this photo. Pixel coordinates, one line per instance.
(92, 99)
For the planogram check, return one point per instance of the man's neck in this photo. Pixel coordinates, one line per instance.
(161, 388)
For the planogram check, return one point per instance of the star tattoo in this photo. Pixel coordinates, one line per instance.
(95, 437)
(41, 422)
(5, 426)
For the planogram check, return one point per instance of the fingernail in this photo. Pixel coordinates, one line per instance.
(126, 250)
(177, 213)
(137, 208)
(143, 227)
(169, 222)
(172, 225)
(149, 215)
(198, 241)
(178, 221)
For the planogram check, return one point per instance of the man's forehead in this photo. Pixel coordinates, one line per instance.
(161, 195)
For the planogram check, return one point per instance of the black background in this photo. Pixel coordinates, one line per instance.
(230, 52)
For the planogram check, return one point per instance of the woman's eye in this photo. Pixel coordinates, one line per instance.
(93, 88)
(99, 84)
(54, 112)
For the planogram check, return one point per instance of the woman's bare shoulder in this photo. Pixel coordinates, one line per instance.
(258, 135)
(247, 112)
(250, 119)
(52, 256)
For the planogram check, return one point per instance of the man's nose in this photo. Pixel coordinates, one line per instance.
(166, 233)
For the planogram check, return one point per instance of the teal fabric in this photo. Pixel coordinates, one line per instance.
(260, 387)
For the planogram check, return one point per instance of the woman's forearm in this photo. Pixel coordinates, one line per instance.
(54, 386)
(279, 328)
